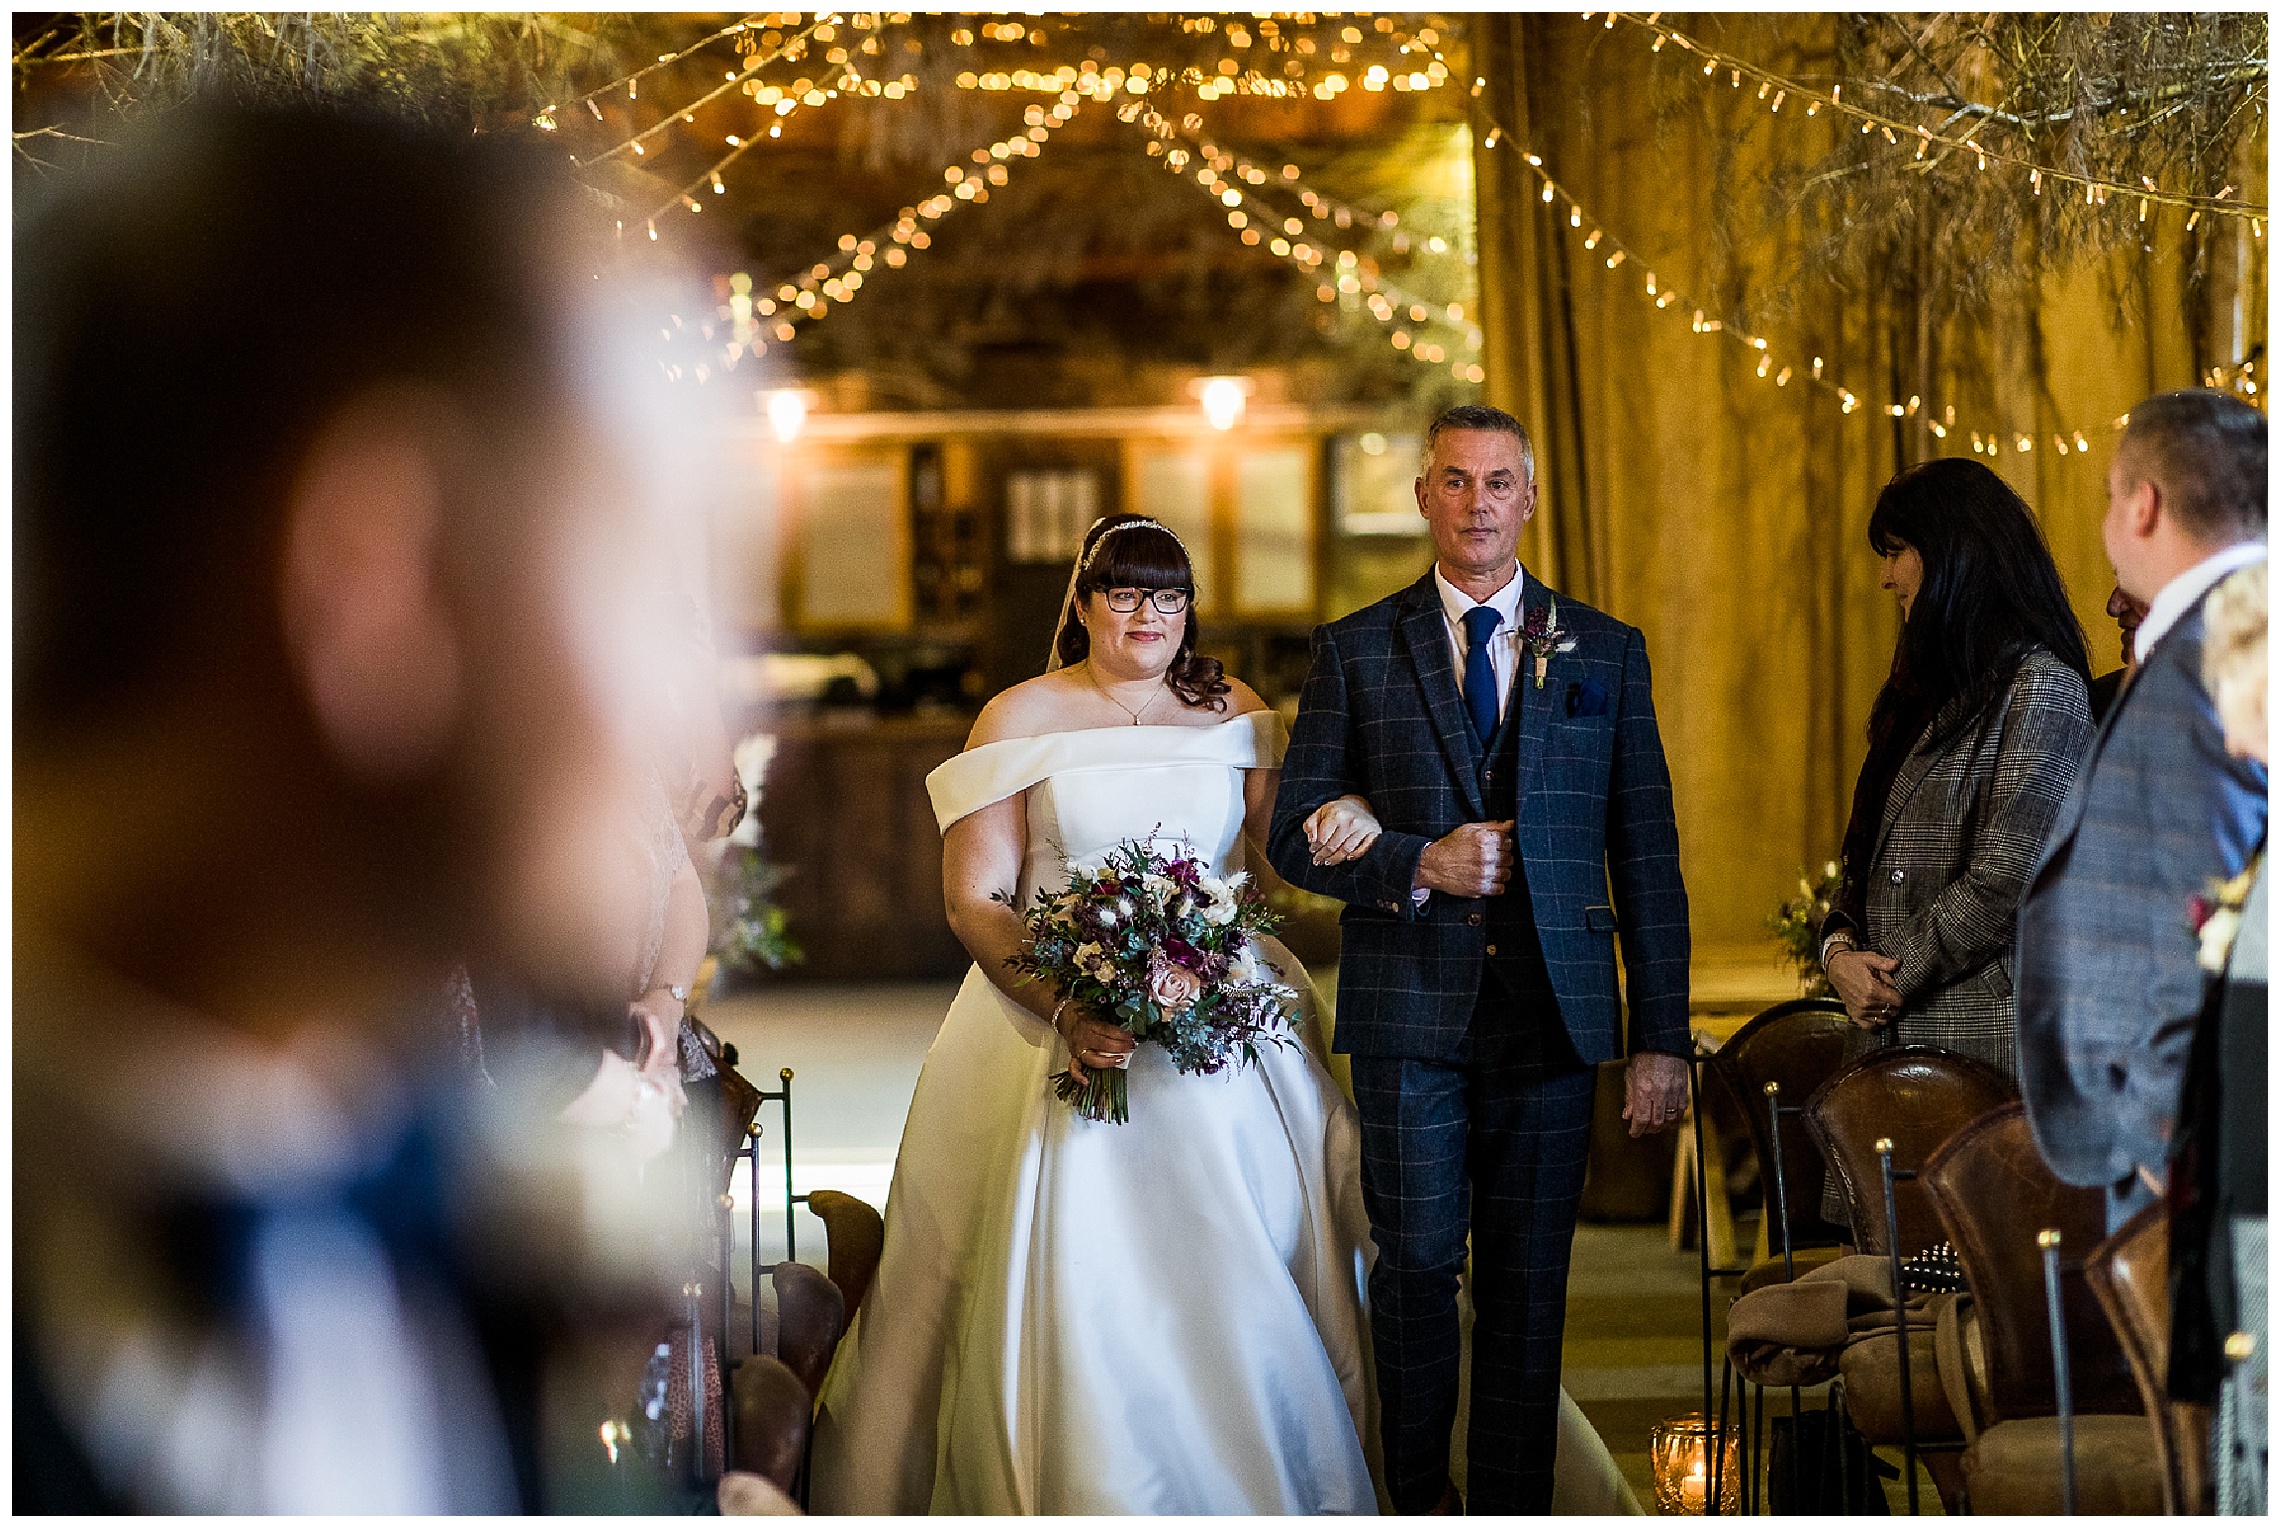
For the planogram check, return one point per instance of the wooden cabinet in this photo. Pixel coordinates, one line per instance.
(845, 811)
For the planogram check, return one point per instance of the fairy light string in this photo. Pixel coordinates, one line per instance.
(832, 284)
(1089, 78)
(1613, 254)
(630, 83)
(687, 113)
(1924, 141)
(1396, 310)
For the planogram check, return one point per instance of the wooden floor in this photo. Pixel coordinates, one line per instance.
(1634, 1329)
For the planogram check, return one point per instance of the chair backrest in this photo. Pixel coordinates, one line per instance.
(810, 1316)
(853, 1236)
(2129, 1273)
(771, 1412)
(1915, 1095)
(1799, 1044)
(1994, 1195)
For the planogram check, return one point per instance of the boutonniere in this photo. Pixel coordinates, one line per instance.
(2216, 918)
(1543, 635)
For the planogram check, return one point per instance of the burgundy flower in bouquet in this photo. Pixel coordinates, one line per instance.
(1154, 944)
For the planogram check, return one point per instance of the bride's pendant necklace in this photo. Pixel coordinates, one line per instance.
(1120, 705)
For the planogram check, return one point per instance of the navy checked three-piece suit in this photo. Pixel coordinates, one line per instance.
(1473, 1023)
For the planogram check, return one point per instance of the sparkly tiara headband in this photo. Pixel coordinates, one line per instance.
(1078, 567)
(1093, 556)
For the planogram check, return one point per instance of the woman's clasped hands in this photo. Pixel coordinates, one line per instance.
(1341, 830)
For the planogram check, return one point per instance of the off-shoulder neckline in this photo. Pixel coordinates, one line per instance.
(1125, 731)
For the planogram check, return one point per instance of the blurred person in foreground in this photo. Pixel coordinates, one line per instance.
(2108, 988)
(333, 485)
(1972, 744)
(2217, 1254)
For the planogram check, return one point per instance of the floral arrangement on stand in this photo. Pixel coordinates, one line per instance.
(1155, 945)
(1796, 927)
(749, 930)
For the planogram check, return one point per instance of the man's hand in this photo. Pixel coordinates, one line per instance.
(1863, 979)
(1473, 861)
(1654, 1092)
(1341, 830)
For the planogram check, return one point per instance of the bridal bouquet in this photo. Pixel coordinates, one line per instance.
(1153, 944)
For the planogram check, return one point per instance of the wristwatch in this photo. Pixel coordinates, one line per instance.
(1842, 939)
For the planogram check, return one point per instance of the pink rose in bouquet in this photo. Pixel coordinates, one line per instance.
(1174, 987)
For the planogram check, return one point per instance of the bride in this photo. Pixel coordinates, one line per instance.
(1163, 1316)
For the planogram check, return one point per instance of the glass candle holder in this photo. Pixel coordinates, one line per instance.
(1681, 1450)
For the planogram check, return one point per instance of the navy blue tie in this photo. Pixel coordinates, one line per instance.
(1480, 674)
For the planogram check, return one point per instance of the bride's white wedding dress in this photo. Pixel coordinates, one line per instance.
(1164, 1316)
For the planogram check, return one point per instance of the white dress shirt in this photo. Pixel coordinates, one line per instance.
(2177, 596)
(1503, 643)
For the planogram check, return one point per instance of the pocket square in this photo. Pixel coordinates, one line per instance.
(1586, 697)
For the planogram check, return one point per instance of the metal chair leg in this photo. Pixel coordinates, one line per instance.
(1900, 1322)
(1715, 1502)
(1760, 1466)
(1701, 1220)
(2061, 1370)
(1844, 1453)
(1789, 1267)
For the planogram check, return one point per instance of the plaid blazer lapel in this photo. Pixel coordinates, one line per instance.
(1535, 711)
(1912, 771)
(1424, 631)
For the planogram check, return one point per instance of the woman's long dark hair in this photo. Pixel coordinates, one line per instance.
(1990, 596)
(1991, 593)
(1144, 557)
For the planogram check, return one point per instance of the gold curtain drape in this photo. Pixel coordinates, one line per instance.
(1724, 516)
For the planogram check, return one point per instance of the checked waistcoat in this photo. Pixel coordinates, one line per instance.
(1517, 961)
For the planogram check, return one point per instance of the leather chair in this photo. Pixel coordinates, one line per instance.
(771, 1412)
(2129, 1273)
(853, 1236)
(1915, 1096)
(1798, 1045)
(811, 1315)
(1994, 1195)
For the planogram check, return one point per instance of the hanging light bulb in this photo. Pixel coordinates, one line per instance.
(787, 412)
(1223, 400)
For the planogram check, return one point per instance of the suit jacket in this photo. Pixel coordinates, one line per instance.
(2108, 984)
(1962, 829)
(1382, 717)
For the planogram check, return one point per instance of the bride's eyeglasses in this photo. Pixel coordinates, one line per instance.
(1166, 601)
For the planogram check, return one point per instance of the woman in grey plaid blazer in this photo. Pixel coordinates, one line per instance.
(1972, 746)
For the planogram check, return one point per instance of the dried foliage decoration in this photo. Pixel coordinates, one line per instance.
(480, 71)
(2168, 100)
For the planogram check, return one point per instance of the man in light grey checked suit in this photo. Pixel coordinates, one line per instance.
(2108, 981)
(1475, 763)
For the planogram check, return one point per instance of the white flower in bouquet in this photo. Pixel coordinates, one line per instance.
(1247, 969)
